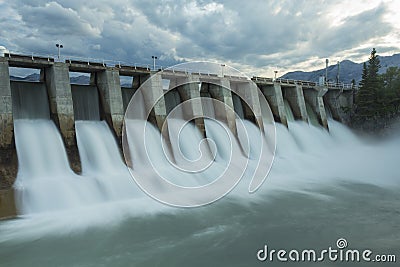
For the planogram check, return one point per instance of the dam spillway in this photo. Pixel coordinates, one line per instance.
(67, 111)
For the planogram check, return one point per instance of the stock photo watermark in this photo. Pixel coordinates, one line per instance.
(230, 163)
(340, 253)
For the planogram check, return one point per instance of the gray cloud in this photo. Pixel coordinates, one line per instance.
(248, 34)
(54, 19)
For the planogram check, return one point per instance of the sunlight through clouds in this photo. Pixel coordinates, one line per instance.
(255, 36)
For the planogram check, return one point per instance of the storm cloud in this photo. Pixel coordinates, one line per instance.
(254, 36)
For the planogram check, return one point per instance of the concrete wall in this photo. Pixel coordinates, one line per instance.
(339, 102)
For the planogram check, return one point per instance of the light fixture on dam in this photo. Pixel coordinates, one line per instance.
(59, 46)
(276, 72)
(154, 62)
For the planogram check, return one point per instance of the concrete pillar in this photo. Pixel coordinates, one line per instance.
(7, 204)
(315, 98)
(188, 89)
(138, 80)
(154, 100)
(250, 93)
(6, 122)
(275, 101)
(61, 108)
(294, 95)
(8, 155)
(321, 107)
(222, 93)
(127, 93)
(108, 84)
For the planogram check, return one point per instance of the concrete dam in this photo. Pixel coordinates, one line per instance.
(76, 119)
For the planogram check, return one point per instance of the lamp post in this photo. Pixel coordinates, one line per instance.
(154, 62)
(326, 70)
(59, 46)
(222, 69)
(276, 72)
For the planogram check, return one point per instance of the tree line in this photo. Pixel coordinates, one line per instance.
(377, 102)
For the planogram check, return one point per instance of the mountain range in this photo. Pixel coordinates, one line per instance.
(349, 70)
(34, 77)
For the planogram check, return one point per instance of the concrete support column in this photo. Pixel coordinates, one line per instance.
(108, 83)
(61, 108)
(8, 155)
(153, 93)
(188, 89)
(315, 98)
(249, 91)
(7, 204)
(138, 80)
(226, 113)
(321, 107)
(275, 100)
(60, 100)
(6, 122)
(295, 97)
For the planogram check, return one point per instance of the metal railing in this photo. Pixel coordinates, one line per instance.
(305, 83)
(201, 72)
(85, 60)
(187, 71)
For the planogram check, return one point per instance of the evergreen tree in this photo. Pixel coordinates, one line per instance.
(368, 100)
(391, 81)
(378, 98)
(375, 83)
(364, 75)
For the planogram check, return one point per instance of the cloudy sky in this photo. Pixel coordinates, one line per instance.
(255, 36)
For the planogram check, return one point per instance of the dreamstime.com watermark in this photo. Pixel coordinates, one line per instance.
(340, 253)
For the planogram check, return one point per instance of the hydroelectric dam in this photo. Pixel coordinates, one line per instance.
(63, 112)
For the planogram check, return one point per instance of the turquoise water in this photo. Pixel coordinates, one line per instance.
(322, 187)
(228, 233)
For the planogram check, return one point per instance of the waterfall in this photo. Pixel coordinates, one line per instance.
(45, 181)
(237, 104)
(102, 160)
(328, 112)
(288, 111)
(172, 99)
(86, 102)
(127, 94)
(312, 116)
(30, 100)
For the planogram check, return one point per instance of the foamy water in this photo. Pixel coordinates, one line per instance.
(322, 186)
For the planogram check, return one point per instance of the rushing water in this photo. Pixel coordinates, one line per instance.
(322, 186)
